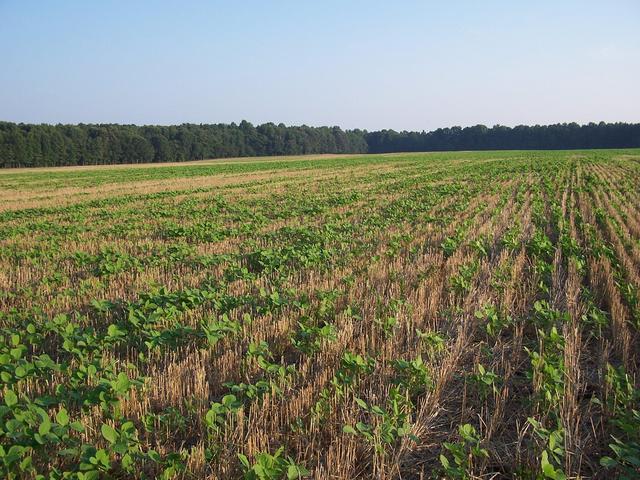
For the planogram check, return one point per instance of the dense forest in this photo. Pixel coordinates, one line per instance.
(27, 145)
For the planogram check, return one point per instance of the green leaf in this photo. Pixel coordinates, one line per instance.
(113, 330)
(120, 447)
(126, 462)
(26, 463)
(45, 427)
(123, 383)
(294, 472)
(62, 417)
(549, 470)
(361, 403)
(244, 460)
(153, 455)
(10, 398)
(109, 433)
(92, 475)
(77, 426)
(349, 429)
(377, 410)
(230, 401)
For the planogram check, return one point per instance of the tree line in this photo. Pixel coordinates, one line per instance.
(479, 137)
(43, 145)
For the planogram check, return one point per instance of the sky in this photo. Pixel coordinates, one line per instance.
(414, 65)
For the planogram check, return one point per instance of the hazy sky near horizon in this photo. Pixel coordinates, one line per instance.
(359, 64)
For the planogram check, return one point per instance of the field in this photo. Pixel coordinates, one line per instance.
(414, 316)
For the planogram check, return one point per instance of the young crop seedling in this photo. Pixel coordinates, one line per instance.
(458, 459)
(485, 381)
(309, 339)
(267, 466)
(462, 281)
(495, 322)
(552, 457)
(388, 424)
(413, 375)
(434, 343)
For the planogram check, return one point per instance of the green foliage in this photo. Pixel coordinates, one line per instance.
(626, 456)
(482, 246)
(495, 322)
(511, 239)
(594, 319)
(449, 245)
(387, 325)
(353, 365)
(108, 262)
(484, 381)
(106, 290)
(413, 375)
(263, 356)
(309, 338)
(462, 281)
(217, 415)
(552, 457)
(547, 365)
(434, 342)
(547, 317)
(216, 330)
(540, 246)
(274, 466)
(26, 145)
(621, 401)
(389, 424)
(124, 443)
(458, 458)
(572, 250)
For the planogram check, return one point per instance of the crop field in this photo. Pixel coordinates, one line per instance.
(413, 316)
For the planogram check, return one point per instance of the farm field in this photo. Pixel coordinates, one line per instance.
(438, 315)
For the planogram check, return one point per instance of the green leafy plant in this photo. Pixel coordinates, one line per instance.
(548, 372)
(390, 423)
(309, 338)
(485, 381)
(218, 413)
(482, 246)
(123, 442)
(434, 342)
(552, 457)
(540, 245)
(267, 466)
(413, 375)
(461, 282)
(626, 456)
(387, 325)
(449, 245)
(511, 238)
(495, 322)
(216, 330)
(459, 457)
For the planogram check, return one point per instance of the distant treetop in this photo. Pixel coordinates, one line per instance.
(28, 145)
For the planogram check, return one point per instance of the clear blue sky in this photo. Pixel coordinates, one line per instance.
(402, 64)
